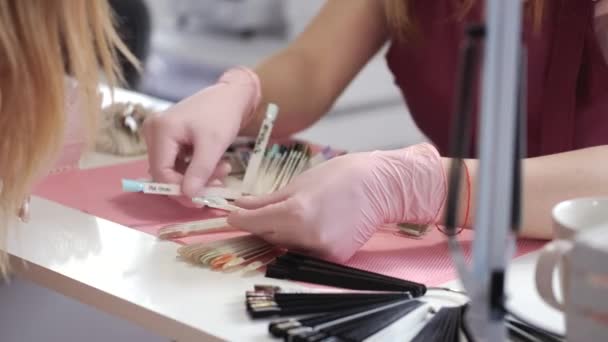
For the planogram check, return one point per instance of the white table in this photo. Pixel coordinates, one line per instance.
(134, 276)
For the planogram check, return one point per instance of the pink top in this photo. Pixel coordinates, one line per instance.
(73, 142)
(567, 75)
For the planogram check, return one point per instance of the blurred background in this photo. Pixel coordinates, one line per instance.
(185, 45)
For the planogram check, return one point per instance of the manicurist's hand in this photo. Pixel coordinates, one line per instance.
(333, 209)
(204, 124)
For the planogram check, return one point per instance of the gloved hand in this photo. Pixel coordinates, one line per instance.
(206, 122)
(331, 210)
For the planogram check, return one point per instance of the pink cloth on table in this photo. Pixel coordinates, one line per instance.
(98, 192)
(426, 260)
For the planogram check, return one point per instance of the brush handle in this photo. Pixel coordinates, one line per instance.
(360, 329)
(337, 279)
(296, 261)
(214, 225)
(309, 308)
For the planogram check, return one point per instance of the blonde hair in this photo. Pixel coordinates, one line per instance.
(401, 19)
(42, 41)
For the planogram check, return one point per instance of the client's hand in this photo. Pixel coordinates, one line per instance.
(334, 208)
(205, 123)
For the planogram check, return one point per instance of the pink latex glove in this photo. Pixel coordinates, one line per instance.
(206, 122)
(331, 210)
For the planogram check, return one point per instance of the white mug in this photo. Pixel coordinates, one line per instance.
(569, 218)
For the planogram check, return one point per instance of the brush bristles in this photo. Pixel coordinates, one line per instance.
(247, 253)
(279, 166)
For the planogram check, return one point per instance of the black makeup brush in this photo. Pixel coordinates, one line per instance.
(268, 305)
(307, 269)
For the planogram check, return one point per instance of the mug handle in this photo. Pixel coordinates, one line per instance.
(548, 260)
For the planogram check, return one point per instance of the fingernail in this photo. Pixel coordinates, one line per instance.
(226, 166)
(197, 205)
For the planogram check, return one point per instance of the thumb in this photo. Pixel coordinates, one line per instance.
(263, 221)
(255, 202)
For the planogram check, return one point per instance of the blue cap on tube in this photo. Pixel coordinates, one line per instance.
(129, 185)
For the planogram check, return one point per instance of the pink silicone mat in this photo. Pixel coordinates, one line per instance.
(98, 192)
